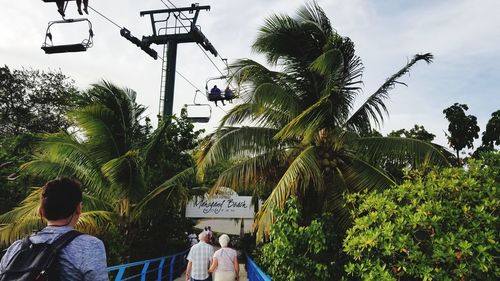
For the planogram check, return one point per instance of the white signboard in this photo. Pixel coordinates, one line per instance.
(220, 207)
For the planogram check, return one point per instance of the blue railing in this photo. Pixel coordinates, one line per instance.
(254, 273)
(164, 268)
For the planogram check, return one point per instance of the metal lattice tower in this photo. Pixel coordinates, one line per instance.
(171, 27)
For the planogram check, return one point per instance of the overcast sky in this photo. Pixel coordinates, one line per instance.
(463, 35)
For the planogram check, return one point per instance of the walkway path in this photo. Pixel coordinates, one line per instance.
(243, 274)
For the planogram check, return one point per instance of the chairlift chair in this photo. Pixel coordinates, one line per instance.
(199, 106)
(50, 48)
(222, 96)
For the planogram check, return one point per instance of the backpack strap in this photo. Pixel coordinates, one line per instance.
(64, 239)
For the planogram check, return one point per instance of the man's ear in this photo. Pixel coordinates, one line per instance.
(40, 212)
(78, 210)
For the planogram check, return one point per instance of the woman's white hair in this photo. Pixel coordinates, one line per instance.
(224, 240)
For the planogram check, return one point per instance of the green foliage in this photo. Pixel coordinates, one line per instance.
(114, 156)
(417, 132)
(396, 170)
(293, 250)
(31, 102)
(298, 131)
(174, 142)
(441, 226)
(34, 101)
(14, 150)
(463, 129)
(491, 136)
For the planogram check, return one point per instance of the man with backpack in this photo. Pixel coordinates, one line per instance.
(57, 252)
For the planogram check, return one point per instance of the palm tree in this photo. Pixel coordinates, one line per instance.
(296, 133)
(108, 153)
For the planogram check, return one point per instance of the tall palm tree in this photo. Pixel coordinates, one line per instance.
(297, 132)
(108, 154)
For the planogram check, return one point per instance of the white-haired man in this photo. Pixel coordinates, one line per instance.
(199, 259)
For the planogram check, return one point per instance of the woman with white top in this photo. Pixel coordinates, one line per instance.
(225, 264)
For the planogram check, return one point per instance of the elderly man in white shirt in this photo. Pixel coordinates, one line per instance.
(199, 259)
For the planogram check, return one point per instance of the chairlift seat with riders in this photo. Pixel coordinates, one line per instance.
(50, 48)
(223, 95)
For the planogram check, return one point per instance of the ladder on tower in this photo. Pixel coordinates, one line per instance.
(163, 83)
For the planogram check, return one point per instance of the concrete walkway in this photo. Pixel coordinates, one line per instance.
(243, 274)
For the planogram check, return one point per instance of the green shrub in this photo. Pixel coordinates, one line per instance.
(293, 251)
(441, 226)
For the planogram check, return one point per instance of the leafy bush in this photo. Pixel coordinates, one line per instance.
(292, 253)
(441, 226)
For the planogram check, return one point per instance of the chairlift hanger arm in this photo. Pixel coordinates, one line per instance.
(70, 21)
(214, 78)
(194, 8)
(141, 44)
(183, 9)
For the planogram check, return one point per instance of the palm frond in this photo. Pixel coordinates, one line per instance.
(359, 175)
(303, 172)
(401, 150)
(248, 173)
(312, 12)
(99, 124)
(328, 63)
(155, 142)
(334, 199)
(125, 176)
(63, 155)
(278, 38)
(278, 98)
(247, 72)
(173, 191)
(233, 142)
(309, 122)
(271, 106)
(374, 107)
(95, 222)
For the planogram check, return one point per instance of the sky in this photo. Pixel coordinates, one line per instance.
(463, 35)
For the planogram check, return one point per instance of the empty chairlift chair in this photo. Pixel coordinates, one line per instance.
(198, 112)
(50, 48)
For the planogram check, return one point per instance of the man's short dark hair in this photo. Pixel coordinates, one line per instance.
(60, 197)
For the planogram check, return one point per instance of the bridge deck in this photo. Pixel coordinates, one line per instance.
(243, 274)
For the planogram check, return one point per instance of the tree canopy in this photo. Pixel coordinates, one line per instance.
(110, 153)
(297, 132)
(417, 132)
(34, 101)
(491, 136)
(463, 129)
(439, 226)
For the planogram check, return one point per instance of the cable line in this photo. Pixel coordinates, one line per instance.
(204, 52)
(161, 58)
(105, 17)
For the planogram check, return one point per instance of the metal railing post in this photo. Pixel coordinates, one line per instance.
(172, 268)
(160, 269)
(148, 268)
(144, 271)
(254, 273)
(119, 276)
